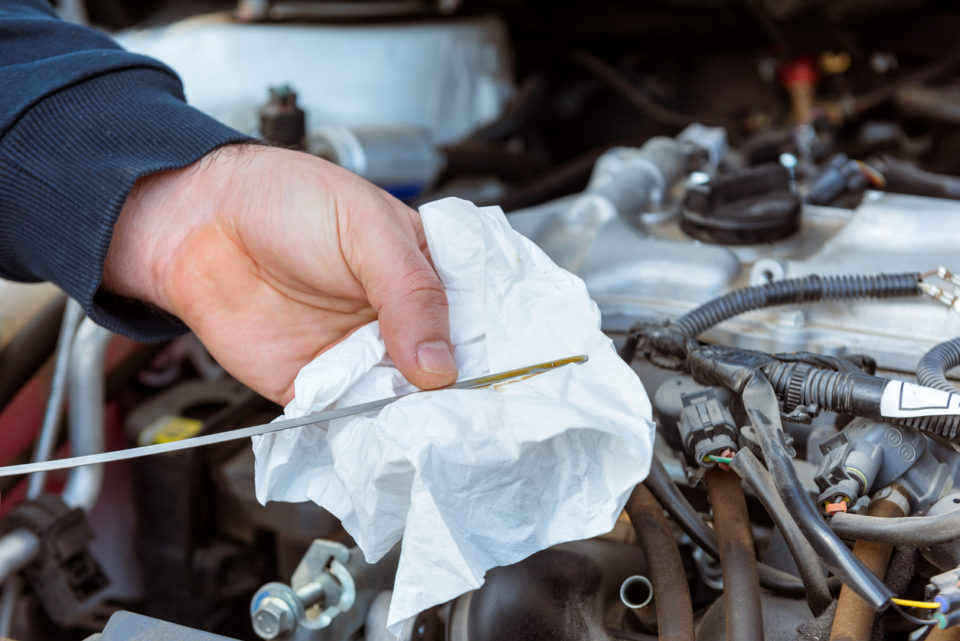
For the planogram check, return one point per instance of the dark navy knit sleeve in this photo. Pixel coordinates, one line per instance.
(81, 120)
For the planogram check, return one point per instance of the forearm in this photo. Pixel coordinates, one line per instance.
(81, 121)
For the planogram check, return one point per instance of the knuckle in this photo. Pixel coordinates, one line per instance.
(420, 282)
(417, 290)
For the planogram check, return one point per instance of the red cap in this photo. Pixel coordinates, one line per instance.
(798, 72)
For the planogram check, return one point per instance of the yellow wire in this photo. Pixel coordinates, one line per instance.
(907, 603)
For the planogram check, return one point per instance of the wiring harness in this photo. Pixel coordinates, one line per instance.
(798, 387)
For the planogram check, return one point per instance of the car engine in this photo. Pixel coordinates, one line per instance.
(762, 199)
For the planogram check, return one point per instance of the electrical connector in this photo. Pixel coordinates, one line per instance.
(846, 472)
(706, 427)
(944, 589)
(868, 455)
(946, 274)
(940, 293)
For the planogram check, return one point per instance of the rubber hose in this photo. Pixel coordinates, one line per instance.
(795, 290)
(629, 635)
(660, 484)
(568, 178)
(903, 177)
(674, 607)
(763, 411)
(949, 634)
(638, 99)
(933, 367)
(684, 515)
(874, 98)
(516, 114)
(480, 158)
(751, 470)
(742, 605)
(847, 393)
(854, 617)
(30, 348)
(929, 103)
(912, 531)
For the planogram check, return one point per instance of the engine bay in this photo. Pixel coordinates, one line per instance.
(762, 200)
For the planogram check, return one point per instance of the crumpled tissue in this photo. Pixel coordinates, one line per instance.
(470, 479)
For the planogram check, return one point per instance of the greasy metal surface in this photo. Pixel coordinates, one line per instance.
(853, 620)
(656, 271)
(743, 612)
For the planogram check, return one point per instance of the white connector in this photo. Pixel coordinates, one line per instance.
(940, 294)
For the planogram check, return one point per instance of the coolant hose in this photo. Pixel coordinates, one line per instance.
(673, 604)
(912, 531)
(678, 507)
(808, 289)
(906, 178)
(950, 634)
(752, 471)
(854, 617)
(742, 606)
(933, 367)
(763, 411)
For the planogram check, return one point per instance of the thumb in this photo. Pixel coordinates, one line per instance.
(411, 305)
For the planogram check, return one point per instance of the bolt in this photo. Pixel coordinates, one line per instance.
(273, 619)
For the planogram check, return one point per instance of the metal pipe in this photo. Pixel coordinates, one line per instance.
(854, 616)
(85, 384)
(636, 592)
(47, 439)
(16, 550)
(674, 607)
(742, 606)
(80, 360)
(8, 604)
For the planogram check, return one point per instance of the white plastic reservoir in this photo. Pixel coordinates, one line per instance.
(447, 76)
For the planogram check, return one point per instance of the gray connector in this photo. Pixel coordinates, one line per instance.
(706, 426)
(868, 455)
(837, 480)
(712, 141)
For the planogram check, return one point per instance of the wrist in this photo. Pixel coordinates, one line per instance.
(159, 214)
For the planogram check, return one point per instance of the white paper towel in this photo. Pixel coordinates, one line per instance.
(471, 479)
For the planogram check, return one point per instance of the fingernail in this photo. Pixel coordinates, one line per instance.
(436, 357)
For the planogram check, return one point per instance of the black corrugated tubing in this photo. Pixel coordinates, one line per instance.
(933, 367)
(796, 290)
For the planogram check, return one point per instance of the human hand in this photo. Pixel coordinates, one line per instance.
(272, 256)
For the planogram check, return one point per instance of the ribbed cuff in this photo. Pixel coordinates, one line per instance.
(66, 169)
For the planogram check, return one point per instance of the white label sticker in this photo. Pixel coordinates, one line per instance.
(907, 400)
